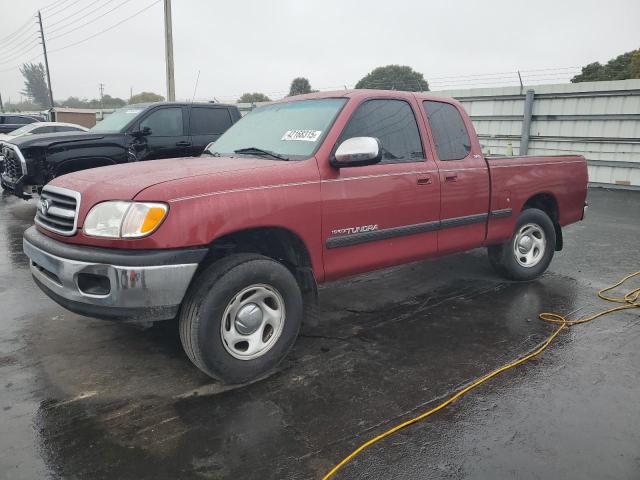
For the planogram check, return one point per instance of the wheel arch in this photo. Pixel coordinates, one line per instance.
(85, 163)
(278, 243)
(548, 203)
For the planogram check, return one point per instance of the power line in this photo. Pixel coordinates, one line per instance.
(499, 80)
(106, 29)
(19, 38)
(8, 52)
(25, 24)
(53, 5)
(18, 66)
(477, 75)
(87, 38)
(87, 23)
(15, 55)
(49, 25)
(58, 12)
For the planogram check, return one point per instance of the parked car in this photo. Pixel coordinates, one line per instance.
(306, 190)
(136, 132)
(11, 121)
(41, 127)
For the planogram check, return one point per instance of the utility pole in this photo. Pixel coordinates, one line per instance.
(1, 105)
(101, 95)
(46, 59)
(168, 47)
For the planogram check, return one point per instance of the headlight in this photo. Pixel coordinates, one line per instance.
(120, 219)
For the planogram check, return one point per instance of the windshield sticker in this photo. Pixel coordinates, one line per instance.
(302, 135)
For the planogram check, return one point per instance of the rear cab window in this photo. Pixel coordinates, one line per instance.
(393, 123)
(449, 132)
(204, 120)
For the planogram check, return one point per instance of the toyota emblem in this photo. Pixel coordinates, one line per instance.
(44, 206)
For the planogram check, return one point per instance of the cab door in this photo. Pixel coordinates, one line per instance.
(464, 178)
(383, 214)
(168, 137)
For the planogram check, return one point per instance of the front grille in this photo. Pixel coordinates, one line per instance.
(58, 210)
(12, 167)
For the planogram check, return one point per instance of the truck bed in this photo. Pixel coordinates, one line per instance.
(516, 179)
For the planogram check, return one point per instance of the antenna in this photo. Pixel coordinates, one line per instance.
(196, 87)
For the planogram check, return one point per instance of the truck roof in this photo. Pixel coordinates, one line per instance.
(200, 104)
(357, 93)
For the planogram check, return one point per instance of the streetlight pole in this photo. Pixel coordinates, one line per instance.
(168, 46)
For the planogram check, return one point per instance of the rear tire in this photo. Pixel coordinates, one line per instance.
(529, 251)
(240, 318)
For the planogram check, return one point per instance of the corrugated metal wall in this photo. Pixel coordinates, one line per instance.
(600, 120)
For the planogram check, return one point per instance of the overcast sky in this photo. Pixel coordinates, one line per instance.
(252, 45)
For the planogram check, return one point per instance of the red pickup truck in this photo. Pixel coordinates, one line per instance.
(299, 192)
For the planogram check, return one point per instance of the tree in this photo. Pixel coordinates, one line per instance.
(299, 86)
(635, 64)
(21, 107)
(35, 86)
(394, 77)
(107, 102)
(253, 98)
(144, 97)
(73, 102)
(621, 67)
(111, 102)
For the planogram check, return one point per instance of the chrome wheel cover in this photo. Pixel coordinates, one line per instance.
(252, 322)
(529, 245)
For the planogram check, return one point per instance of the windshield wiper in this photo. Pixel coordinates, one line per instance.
(211, 154)
(260, 151)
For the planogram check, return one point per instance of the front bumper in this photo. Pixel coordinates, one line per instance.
(16, 187)
(15, 180)
(112, 284)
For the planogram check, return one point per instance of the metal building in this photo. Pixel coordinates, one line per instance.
(600, 120)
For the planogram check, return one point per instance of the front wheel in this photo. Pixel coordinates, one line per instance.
(528, 253)
(241, 317)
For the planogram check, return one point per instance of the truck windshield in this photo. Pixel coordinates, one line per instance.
(117, 120)
(292, 130)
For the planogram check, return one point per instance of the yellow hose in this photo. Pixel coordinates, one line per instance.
(629, 300)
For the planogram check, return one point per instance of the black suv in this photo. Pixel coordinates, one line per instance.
(136, 132)
(12, 121)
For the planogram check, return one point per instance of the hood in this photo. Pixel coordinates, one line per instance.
(49, 139)
(125, 181)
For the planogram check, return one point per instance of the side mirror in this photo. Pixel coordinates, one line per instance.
(357, 151)
(143, 132)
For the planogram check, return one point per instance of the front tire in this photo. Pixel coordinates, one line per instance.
(529, 251)
(241, 317)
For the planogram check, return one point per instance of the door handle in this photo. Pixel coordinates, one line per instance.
(452, 177)
(183, 144)
(424, 181)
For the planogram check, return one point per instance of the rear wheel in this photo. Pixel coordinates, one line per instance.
(528, 253)
(241, 317)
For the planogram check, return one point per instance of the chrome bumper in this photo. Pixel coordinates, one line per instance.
(109, 291)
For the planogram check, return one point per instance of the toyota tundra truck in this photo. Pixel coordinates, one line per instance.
(303, 191)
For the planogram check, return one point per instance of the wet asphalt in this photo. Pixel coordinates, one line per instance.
(88, 399)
